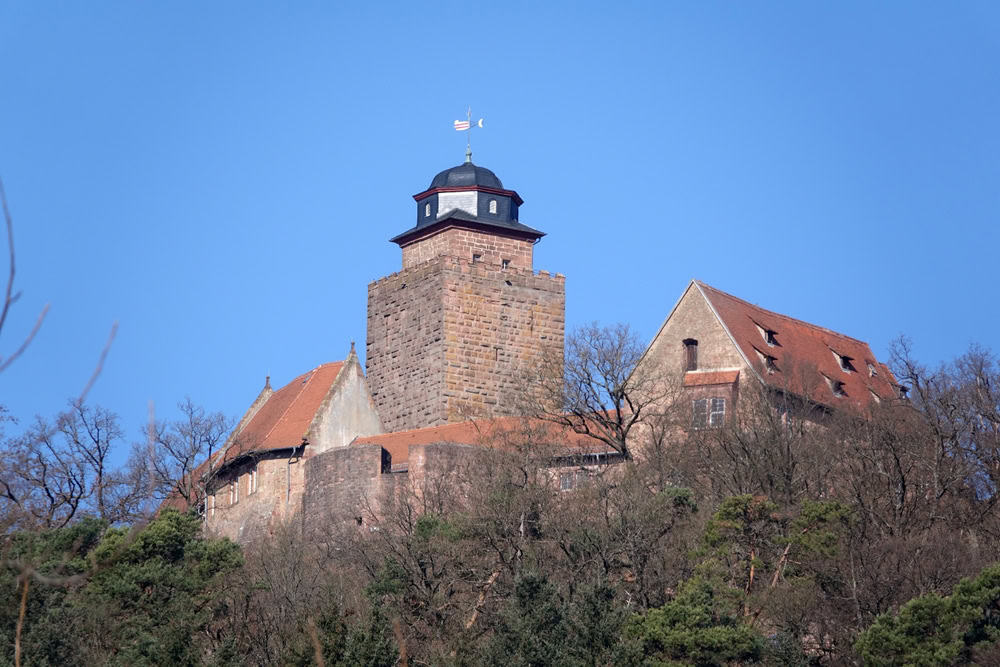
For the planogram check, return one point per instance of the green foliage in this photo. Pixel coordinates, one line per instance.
(695, 628)
(142, 597)
(938, 630)
(537, 627)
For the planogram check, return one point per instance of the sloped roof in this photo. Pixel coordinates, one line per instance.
(282, 421)
(285, 418)
(499, 433)
(806, 357)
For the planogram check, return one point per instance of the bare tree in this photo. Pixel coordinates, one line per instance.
(595, 389)
(175, 449)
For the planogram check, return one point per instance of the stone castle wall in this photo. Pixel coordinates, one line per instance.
(448, 338)
(464, 243)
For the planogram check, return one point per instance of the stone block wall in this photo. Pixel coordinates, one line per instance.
(498, 326)
(693, 318)
(255, 513)
(449, 339)
(464, 243)
(405, 347)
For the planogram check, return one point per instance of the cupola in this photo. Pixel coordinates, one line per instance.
(467, 196)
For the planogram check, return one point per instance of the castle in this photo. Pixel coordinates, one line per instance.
(446, 337)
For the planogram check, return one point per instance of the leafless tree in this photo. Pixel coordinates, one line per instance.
(174, 450)
(595, 389)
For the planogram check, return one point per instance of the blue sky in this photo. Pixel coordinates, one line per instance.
(221, 178)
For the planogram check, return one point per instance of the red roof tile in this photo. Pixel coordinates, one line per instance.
(494, 433)
(702, 378)
(282, 421)
(806, 357)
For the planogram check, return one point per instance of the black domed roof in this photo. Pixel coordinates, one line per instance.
(466, 175)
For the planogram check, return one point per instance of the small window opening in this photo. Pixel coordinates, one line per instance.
(769, 335)
(845, 362)
(872, 371)
(427, 210)
(690, 354)
(493, 206)
(504, 263)
(767, 361)
(476, 257)
(837, 387)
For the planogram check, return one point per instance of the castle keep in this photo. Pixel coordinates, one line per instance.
(449, 333)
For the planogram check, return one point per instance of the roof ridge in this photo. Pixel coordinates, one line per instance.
(784, 317)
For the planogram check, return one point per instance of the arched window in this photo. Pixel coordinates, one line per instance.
(427, 210)
(493, 206)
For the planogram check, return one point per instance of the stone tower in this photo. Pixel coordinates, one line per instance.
(449, 334)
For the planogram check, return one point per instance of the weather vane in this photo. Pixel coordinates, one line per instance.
(466, 126)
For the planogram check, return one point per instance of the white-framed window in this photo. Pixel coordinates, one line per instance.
(252, 480)
(234, 491)
(566, 481)
(427, 210)
(708, 412)
(493, 206)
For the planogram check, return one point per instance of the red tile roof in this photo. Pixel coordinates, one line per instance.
(702, 378)
(280, 423)
(806, 358)
(500, 433)
(285, 418)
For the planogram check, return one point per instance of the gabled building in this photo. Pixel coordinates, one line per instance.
(256, 479)
(716, 342)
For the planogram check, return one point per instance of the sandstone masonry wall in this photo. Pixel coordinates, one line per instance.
(405, 347)
(448, 339)
(464, 243)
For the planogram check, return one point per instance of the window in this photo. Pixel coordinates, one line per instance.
(691, 354)
(504, 263)
(252, 481)
(708, 412)
(476, 257)
(493, 206)
(836, 386)
(211, 505)
(769, 335)
(769, 363)
(845, 362)
(427, 210)
(872, 371)
(566, 481)
(234, 491)
(717, 414)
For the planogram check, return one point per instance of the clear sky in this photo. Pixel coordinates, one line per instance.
(222, 178)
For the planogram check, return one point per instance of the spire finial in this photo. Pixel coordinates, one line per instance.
(466, 126)
(468, 135)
